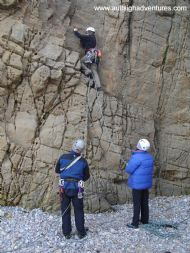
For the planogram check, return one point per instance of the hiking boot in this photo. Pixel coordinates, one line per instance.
(68, 236)
(86, 229)
(132, 226)
(81, 236)
(143, 222)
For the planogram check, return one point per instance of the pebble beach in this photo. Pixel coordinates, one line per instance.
(35, 231)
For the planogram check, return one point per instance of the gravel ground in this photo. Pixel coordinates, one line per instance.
(24, 231)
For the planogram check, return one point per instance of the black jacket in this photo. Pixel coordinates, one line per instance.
(87, 41)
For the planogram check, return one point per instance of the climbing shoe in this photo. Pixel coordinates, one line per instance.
(132, 226)
(99, 89)
(87, 72)
(91, 83)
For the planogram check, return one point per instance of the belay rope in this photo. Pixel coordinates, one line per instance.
(97, 190)
(163, 228)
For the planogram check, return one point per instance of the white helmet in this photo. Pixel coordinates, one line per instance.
(143, 144)
(90, 29)
(78, 146)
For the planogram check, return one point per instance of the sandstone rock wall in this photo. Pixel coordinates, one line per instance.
(45, 103)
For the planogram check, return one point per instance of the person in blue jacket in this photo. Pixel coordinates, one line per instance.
(140, 169)
(73, 170)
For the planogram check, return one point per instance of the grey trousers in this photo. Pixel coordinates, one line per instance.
(84, 66)
(93, 69)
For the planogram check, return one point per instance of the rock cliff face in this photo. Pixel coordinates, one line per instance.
(45, 103)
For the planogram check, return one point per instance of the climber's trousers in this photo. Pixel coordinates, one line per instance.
(84, 66)
(94, 69)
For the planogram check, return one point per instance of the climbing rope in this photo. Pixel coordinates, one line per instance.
(69, 205)
(163, 228)
(90, 79)
(98, 190)
(87, 118)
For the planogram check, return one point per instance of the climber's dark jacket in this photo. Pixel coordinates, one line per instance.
(78, 171)
(88, 41)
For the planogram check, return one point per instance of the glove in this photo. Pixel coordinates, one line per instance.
(122, 164)
(75, 29)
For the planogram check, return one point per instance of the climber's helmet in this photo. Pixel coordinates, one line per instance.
(78, 146)
(143, 144)
(90, 29)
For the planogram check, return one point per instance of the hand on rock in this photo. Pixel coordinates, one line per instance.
(75, 29)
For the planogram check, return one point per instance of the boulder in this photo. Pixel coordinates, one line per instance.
(5, 4)
(19, 33)
(15, 61)
(51, 51)
(22, 131)
(39, 80)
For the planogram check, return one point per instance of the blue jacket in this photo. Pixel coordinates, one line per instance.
(140, 169)
(78, 171)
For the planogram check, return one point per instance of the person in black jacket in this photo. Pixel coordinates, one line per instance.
(73, 170)
(88, 42)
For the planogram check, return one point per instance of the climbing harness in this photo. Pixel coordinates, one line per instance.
(80, 184)
(93, 55)
(62, 190)
(80, 189)
(89, 57)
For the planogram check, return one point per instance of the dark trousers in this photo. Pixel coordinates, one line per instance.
(140, 206)
(66, 214)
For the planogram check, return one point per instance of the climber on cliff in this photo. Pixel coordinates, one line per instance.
(92, 55)
(140, 170)
(73, 170)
